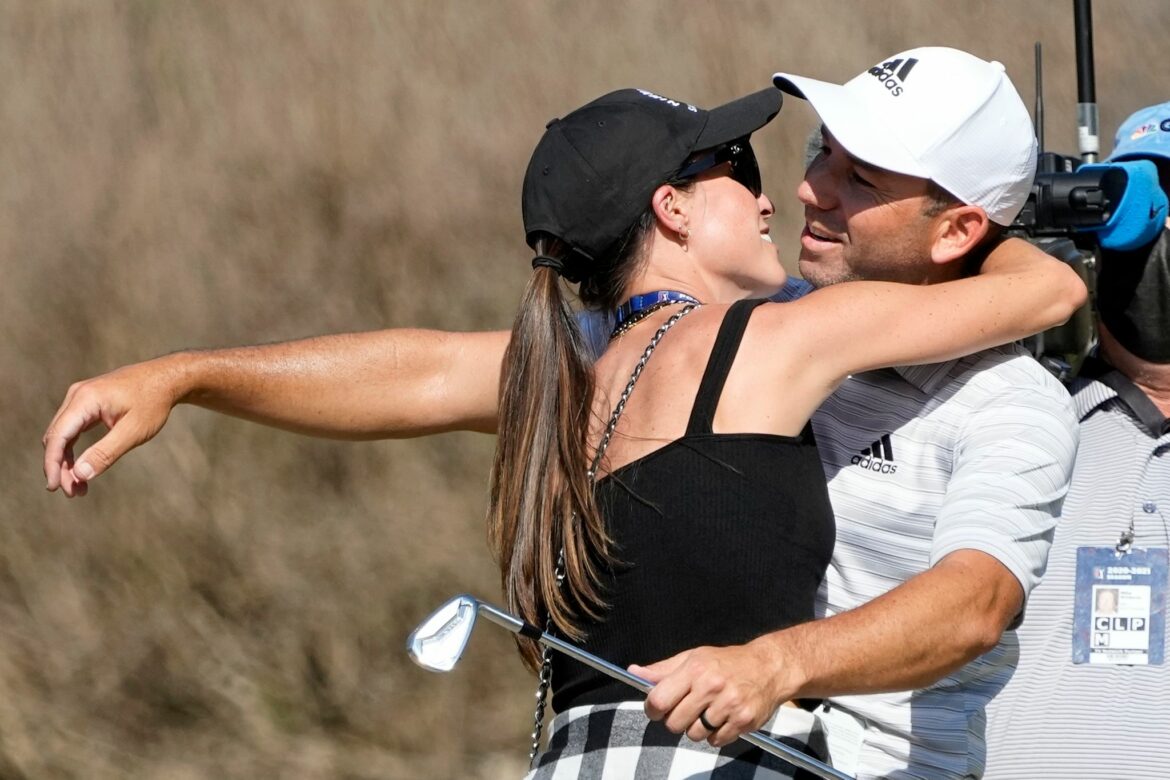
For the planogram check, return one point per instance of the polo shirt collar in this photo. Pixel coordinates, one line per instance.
(929, 377)
(1092, 396)
(1094, 393)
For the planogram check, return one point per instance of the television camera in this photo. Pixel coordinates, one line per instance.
(1079, 206)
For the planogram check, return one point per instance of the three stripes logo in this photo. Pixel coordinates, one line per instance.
(878, 457)
(893, 74)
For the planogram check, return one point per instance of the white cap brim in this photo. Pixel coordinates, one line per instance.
(856, 123)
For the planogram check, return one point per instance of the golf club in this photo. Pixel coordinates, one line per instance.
(439, 641)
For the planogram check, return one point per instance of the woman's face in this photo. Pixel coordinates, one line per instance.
(729, 236)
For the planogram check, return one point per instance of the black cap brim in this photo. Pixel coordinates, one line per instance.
(739, 118)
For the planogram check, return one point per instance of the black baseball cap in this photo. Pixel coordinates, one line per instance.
(593, 172)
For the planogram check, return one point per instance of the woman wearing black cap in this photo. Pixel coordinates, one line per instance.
(694, 510)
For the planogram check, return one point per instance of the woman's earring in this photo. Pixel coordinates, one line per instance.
(684, 233)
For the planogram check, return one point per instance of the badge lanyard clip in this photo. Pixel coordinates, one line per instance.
(1125, 542)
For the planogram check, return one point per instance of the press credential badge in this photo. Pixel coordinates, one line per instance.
(1119, 615)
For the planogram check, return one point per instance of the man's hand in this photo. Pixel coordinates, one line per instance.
(735, 689)
(132, 402)
(908, 638)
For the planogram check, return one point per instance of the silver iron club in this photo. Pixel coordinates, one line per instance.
(439, 641)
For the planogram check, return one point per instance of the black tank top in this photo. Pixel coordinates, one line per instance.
(719, 538)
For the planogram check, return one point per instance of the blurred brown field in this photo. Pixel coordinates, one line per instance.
(232, 601)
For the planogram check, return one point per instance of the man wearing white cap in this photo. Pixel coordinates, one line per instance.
(1089, 698)
(945, 479)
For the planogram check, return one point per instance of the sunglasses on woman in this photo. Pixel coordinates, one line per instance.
(744, 168)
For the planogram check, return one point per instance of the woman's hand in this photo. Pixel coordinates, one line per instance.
(132, 402)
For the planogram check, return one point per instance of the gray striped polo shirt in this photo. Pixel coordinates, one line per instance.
(1057, 719)
(922, 461)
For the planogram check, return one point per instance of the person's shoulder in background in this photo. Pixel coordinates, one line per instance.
(794, 288)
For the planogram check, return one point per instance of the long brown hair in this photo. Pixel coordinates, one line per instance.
(541, 497)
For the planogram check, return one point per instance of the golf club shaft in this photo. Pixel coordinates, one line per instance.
(757, 738)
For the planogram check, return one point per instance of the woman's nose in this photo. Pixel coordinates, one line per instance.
(767, 207)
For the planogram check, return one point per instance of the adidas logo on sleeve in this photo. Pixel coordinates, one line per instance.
(878, 457)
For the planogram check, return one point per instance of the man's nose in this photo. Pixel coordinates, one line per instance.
(818, 188)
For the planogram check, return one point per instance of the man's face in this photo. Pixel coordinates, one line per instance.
(863, 222)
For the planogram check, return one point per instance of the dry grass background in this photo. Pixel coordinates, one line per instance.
(232, 601)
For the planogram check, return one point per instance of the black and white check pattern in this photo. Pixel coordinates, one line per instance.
(612, 741)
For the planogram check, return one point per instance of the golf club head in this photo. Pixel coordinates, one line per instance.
(438, 642)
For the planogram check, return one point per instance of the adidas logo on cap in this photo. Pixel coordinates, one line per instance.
(893, 74)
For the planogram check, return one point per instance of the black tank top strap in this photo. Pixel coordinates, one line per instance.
(719, 364)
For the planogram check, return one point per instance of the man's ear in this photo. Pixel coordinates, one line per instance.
(957, 231)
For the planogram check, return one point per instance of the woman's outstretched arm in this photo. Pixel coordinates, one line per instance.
(381, 384)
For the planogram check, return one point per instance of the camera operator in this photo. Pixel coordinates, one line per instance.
(1088, 699)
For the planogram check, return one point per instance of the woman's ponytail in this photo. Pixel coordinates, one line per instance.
(541, 498)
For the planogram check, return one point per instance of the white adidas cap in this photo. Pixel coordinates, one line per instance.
(939, 114)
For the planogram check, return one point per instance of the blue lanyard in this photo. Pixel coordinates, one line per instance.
(646, 300)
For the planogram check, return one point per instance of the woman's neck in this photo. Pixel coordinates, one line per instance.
(649, 282)
(667, 266)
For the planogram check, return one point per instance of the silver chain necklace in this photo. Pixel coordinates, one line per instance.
(545, 683)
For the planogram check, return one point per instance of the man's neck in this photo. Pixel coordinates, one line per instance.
(1153, 379)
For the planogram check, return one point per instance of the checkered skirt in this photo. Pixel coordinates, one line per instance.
(612, 741)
